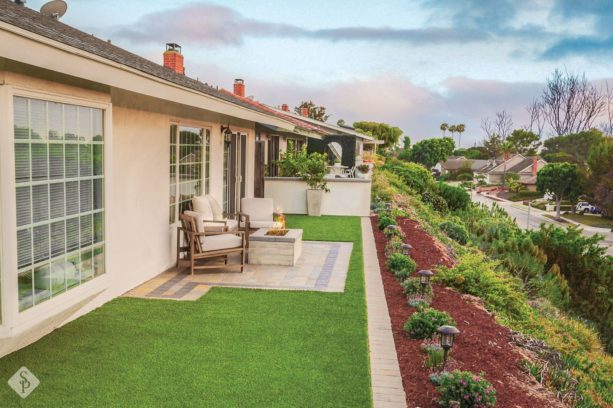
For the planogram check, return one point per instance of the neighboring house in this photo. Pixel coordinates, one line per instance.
(526, 167)
(455, 163)
(100, 151)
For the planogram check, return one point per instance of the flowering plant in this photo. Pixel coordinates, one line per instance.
(463, 389)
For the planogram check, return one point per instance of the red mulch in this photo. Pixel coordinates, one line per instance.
(483, 344)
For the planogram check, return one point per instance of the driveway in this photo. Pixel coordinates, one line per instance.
(520, 213)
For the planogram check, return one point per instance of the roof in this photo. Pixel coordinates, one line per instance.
(281, 114)
(520, 166)
(32, 21)
(330, 128)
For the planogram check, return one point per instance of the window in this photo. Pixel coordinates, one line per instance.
(59, 171)
(186, 167)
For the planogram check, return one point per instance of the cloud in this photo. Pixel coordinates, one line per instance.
(213, 25)
(593, 46)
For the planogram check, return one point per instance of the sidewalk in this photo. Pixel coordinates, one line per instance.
(387, 389)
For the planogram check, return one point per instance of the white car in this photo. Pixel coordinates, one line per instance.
(585, 207)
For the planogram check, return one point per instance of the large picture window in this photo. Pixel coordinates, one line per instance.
(186, 167)
(59, 174)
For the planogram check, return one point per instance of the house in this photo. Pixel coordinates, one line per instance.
(526, 167)
(455, 163)
(100, 151)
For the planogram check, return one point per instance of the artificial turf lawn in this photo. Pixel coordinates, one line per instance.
(231, 348)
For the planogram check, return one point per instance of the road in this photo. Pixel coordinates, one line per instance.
(520, 213)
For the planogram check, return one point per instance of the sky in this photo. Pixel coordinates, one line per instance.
(413, 64)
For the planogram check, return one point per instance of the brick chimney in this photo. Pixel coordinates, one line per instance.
(173, 58)
(535, 165)
(285, 107)
(304, 111)
(239, 87)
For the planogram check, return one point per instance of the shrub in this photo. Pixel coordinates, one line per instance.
(437, 202)
(393, 246)
(423, 323)
(384, 221)
(456, 197)
(464, 177)
(411, 286)
(435, 354)
(401, 265)
(463, 389)
(393, 233)
(477, 276)
(414, 176)
(455, 231)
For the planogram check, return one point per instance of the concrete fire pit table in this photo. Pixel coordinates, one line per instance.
(275, 249)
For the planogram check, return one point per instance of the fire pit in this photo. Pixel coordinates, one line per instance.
(277, 232)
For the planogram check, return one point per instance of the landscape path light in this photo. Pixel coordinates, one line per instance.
(390, 228)
(406, 249)
(424, 279)
(447, 336)
(388, 206)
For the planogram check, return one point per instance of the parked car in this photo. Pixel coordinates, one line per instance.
(587, 208)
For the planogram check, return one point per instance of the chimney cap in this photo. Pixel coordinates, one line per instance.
(173, 47)
(239, 81)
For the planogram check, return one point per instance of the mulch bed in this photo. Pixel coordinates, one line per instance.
(483, 344)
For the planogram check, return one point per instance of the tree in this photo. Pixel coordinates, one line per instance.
(493, 145)
(600, 182)
(406, 142)
(340, 122)
(315, 112)
(460, 129)
(380, 131)
(559, 179)
(569, 103)
(573, 148)
(473, 153)
(444, 127)
(428, 152)
(452, 129)
(524, 142)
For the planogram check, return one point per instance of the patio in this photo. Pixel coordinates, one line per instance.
(322, 267)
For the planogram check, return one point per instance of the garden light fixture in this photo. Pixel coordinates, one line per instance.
(447, 336)
(424, 279)
(406, 249)
(391, 228)
(388, 206)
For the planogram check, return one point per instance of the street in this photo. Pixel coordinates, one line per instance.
(520, 213)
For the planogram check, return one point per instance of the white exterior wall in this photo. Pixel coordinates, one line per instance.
(139, 241)
(346, 196)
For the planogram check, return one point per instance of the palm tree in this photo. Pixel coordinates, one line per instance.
(444, 127)
(460, 129)
(453, 129)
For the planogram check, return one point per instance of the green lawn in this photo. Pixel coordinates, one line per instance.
(590, 220)
(232, 348)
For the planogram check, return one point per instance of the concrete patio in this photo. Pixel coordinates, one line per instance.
(322, 267)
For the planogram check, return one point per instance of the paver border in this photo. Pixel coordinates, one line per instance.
(386, 381)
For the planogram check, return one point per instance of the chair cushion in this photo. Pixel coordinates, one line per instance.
(264, 224)
(232, 225)
(223, 241)
(199, 218)
(258, 209)
(201, 205)
(215, 208)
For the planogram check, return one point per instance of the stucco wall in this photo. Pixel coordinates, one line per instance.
(346, 196)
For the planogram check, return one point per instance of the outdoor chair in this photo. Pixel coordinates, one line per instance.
(258, 213)
(350, 172)
(207, 211)
(199, 245)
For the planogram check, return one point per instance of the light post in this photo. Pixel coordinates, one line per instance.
(424, 279)
(447, 336)
(406, 249)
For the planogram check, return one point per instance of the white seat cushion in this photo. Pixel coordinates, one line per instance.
(201, 205)
(232, 225)
(264, 224)
(215, 208)
(223, 241)
(258, 209)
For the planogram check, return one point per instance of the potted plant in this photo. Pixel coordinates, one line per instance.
(313, 171)
(337, 162)
(363, 170)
